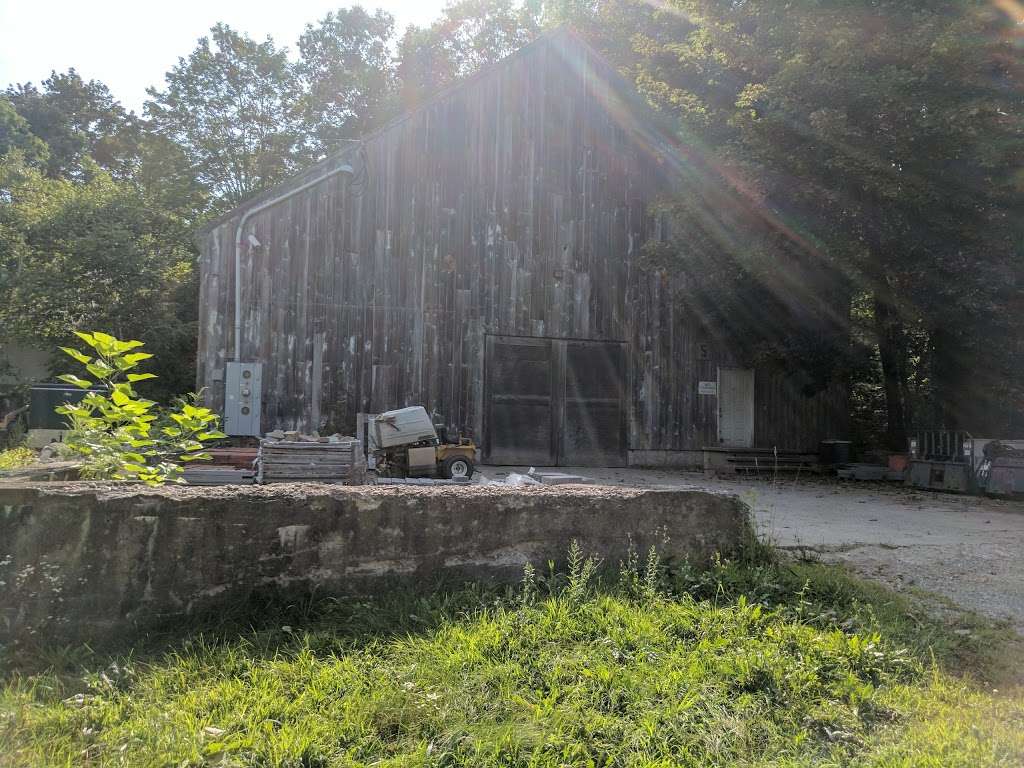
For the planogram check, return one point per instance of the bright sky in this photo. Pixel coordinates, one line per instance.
(130, 44)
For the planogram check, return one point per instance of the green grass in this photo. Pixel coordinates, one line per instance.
(745, 665)
(14, 458)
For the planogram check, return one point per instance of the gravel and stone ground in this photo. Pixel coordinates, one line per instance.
(964, 548)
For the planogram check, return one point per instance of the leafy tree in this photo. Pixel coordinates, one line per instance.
(877, 139)
(166, 176)
(16, 136)
(897, 136)
(80, 254)
(97, 231)
(234, 108)
(79, 122)
(347, 70)
(579, 13)
(469, 35)
(121, 435)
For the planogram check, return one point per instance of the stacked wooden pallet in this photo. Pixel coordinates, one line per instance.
(312, 459)
(738, 461)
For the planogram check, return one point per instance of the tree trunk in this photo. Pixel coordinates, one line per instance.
(892, 349)
(966, 383)
(944, 380)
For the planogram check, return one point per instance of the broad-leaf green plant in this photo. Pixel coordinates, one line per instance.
(123, 436)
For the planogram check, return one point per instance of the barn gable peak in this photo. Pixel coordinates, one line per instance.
(618, 96)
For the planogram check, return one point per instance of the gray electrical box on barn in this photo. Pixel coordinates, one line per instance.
(242, 399)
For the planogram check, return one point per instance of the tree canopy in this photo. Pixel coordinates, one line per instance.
(233, 106)
(469, 35)
(78, 121)
(348, 73)
(872, 140)
(74, 255)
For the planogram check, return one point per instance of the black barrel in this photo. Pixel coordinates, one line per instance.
(44, 398)
(832, 453)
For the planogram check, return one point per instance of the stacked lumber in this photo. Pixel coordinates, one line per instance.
(294, 458)
(218, 475)
(757, 461)
(242, 458)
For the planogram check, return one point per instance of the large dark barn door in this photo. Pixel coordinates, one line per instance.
(555, 402)
(594, 432)
(520, 381)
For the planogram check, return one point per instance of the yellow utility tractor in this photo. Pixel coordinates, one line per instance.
(407, 443)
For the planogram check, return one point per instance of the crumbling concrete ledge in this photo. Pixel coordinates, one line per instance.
(84, 561)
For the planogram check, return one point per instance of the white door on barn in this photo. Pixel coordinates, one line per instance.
(736, 407)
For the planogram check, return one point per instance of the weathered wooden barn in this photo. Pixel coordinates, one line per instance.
(480, 255)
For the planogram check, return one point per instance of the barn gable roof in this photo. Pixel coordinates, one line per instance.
(641, 117)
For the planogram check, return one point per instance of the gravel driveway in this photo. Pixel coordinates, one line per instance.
(968, 549)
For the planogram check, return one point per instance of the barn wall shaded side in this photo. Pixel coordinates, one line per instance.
(515, 204)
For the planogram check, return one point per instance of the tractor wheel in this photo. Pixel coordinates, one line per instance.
(455, 467)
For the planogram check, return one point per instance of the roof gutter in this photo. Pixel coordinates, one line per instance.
(344, 168)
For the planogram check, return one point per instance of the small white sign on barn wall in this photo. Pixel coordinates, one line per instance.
(707, 388)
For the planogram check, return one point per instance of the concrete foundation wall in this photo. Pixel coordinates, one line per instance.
(81, 562)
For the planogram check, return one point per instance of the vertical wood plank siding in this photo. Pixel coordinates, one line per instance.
(515, 204)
